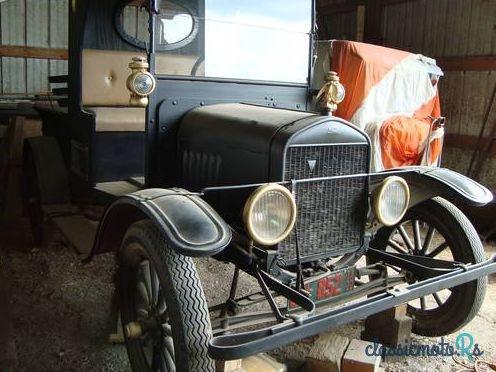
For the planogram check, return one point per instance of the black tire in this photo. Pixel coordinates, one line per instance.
(180, 300)
(464, 301)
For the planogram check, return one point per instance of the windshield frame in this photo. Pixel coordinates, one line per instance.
(153, 50)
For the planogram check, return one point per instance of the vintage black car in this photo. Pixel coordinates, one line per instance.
(226, 156)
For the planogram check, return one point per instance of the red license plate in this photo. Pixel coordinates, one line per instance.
(336, 283)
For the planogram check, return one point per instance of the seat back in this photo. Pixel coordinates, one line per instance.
(104, 74)
(104, 91)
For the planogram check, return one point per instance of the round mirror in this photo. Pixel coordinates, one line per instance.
(176, 23)
(175, 28)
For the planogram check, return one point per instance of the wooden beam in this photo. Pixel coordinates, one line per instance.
(32, 52)
(478, 63)
(467, 142)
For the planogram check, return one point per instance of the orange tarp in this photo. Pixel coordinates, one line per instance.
(352, 62)
(361, 67)
(402, 137)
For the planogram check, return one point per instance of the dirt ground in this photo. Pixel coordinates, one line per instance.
(61, 309)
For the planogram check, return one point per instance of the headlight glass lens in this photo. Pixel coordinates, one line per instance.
(393, 200)
(143, 84)
(340, 93)
(271, 215)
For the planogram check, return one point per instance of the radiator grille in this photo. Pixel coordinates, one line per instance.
(331, 213)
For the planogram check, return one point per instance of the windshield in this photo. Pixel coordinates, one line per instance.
(235, 39)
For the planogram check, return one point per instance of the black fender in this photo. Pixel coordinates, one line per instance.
(429, 182)
(191, 227)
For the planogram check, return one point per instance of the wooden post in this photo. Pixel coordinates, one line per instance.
(390, 327)
(360, 18)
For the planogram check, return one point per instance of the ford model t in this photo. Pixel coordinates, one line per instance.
(194, 120)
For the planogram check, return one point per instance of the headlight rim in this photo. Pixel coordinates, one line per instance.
(378, 196)
(132, 79)
(250, 204)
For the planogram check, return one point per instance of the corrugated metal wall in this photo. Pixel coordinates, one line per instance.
(33, 23)
(448, 28)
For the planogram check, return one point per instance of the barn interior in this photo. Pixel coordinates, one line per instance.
(56, 309)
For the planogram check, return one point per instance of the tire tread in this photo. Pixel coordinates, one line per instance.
(185, 297)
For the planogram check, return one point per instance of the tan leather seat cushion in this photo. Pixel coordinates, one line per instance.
(118, 119)
(104, 74)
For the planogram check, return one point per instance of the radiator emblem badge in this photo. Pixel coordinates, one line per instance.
(311, 164)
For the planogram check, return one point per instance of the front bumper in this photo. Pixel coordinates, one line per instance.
(236, 346)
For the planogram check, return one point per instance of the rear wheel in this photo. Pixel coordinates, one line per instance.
(437, 229)
(163, 307)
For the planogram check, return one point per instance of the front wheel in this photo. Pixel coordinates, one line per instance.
(437, 229)
(163, 308)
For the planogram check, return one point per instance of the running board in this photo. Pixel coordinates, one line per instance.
(241, 345)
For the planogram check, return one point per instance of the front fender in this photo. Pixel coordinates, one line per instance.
(191, 227)
(428, 182)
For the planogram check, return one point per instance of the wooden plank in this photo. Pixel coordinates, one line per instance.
(467, 142)
(351, 6)
(462, 20)
(117, 188)
(12, 23)
(37, 23)
(33, 52)
(58, 27)
(13, 75)
(428, 23)
(79, 231)
(333, 9)
(375, 23)
(360, 23)
(37, 36)
(475, 63)
(481, 30)
(37, 75)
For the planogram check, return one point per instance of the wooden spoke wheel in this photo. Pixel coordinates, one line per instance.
(437, 229)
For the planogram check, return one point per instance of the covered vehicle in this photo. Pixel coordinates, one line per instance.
(393, 96)
(201, 107)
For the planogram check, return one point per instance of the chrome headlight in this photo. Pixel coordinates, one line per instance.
(269, 214)
(390, 200)
(141, 83)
